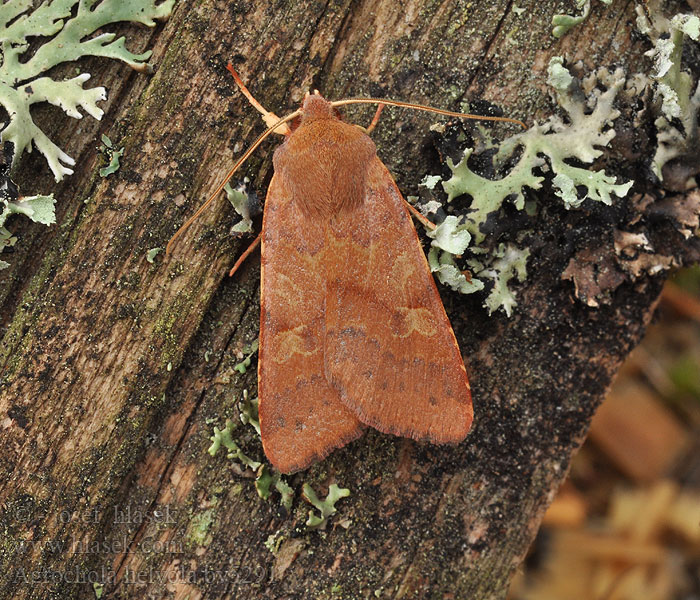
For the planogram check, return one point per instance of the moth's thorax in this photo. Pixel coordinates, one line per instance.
(324, 161)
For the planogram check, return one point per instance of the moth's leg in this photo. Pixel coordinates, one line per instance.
(418, 215)
(269, 118)
(242, 257)
(375, 120)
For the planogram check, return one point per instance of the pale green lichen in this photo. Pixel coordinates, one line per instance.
(39, 209)
(67, 26)
(449, 239)
(113, 155)
(448, 273)
(198, 530)
(674, 86)
(325, 507)
(542, 148)
(429, 181)
(64, 28)
(273, 542)
(286, 493)
(488, 195)
(451, 236)
(241, 204)
(249, 411)
(98, 589)
(267, 479)
(558, 75)
(581, 138)
(249, 351)
(562, 23)
(264, 481)
(506, 263)
(222, 437)
(152, 253)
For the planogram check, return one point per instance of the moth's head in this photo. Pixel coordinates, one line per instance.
(316, 107)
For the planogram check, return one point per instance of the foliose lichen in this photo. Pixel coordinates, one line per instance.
(98, 589)
(21, 83)
(249, 411)
(677, 123)
(113, 155)
(67, 27)
(152, 253)
(542, 149)
(449, 239)
(240, 201)
(506, 263)
(39, 209)
(222, 437)
(249, 352)
(562, 23)
(274, 541)
(267, 478)
(325, 507)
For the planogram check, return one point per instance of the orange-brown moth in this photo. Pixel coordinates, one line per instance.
(352, 329)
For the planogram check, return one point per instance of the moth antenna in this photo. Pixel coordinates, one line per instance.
(268, 117)
(235, 167)
(439, 111)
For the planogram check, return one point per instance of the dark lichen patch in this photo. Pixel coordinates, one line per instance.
(129, 281)
(19, 415)
(129, 310)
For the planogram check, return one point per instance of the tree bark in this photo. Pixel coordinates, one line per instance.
(116, 370)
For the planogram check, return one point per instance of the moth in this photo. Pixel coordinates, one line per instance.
(353, 333)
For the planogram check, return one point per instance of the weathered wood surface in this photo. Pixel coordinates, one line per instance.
(114, 370)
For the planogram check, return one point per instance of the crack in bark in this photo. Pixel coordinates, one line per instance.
(333, 51)
(613, 31)
(487, 49)
(138, 534)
